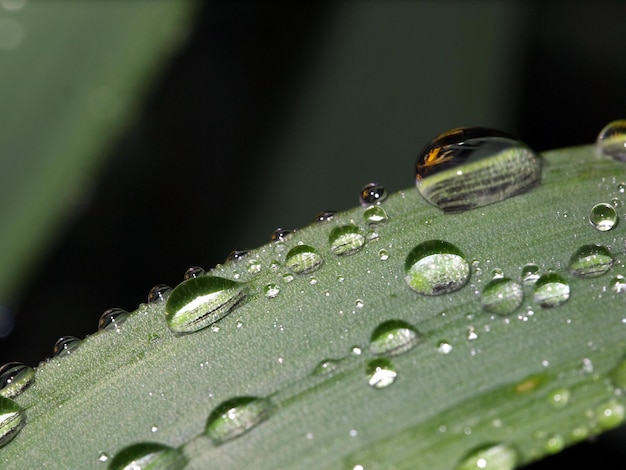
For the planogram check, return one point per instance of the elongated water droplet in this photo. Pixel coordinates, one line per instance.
(502, 296)
(234, 417)
(612, 140)
(65, 346)
(345, 240)
(236, 255)
(372, 193)
(159, 293)
(12, 419)
(436, 267)
(148, 456)
(281, 234)
(551, 290)
(590, 261)
(325, 216)
(492, 457)
(303, 259)
(380, 373)
(375, 215)
(603, 217)
(393, 337)
(474, 166)
(112, 318)
(193, 271)
(610, 415)
(199, 302)
(14, 378)
(327, 366)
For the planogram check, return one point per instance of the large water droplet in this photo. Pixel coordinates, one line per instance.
(236, 255)
(12, 419)
(193, 271)
(325, 216)
(372, 193)
(612, 140)
(375, 215)
(345, 240)
(493, 457)
(436, 267)
(148, 456)
(474, 166)
(112, 318)
(234, 417)
(281, 234)
(393, 337)
(380, 373)
(303, 259)
(590, 261)
(610, 415)
(603, 217)
(199, 302)
(551, 290)
(14, 378)
(502, 296)
(159, 293)
(65, 346)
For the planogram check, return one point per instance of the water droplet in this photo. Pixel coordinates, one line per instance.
(555, 444)
(345, 240)
(393, 337)
(14, 378)
(474, 166)
(492, 457)
(502, 296)
(603, 217)
(530, 273)
(148, 455)
(236, 255)
(303, 259)
(559, 398)
(326, 366)
(325, 216)
(590, 261)
(254, 266)
(612, 140)
(375, 215)
(271, 290)
(112, 318)
(372, 193)
(436, 267)
(193, 271)
(234, 417)
(383, 255)
(621, 187)
(359, 303)
(355, 351)
(281, 234)
(551, 290)
(159, 293)
(618, 284)
(444, 347)
(103, 457)
(610, 415)
(380, 373)
(199, 302)
(288, 277)
(12, 419)
(65, 346)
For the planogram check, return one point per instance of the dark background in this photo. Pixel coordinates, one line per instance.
(271, 113)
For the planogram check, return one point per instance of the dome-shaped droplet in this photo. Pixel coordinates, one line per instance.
(303, 259)
(12, 419)
(281, 234)
(436, 267)
(325, 216)
(502, 296)
(234, 417)
(380, 373)
(393, 337)
(148, 456)
(112, 318)
(618, 284)
(14, 378)
(610, 415)
(159, 293)
(612, 140)
(199, 302)
(603, 217)
(372, 193)
(491, 457)
(65, 346)
(271, 290)
(345, 240)
(236, 255)
(551, 290)
(375, 215)
(474, 166)
(327, 366)
(193, 271)
(590, 261)
(530, 273)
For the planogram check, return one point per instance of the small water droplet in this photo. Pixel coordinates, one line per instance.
(288, 277)
(236, 255)
(103, 457)
(530, 273)
(551, 290)
(559, 398)
(491, 457)
(444, 347)
(383, 255)
(621, 188)
(393, 337)
(112, 318)
(603, 217)
(618, 284)
(12, 419)
(281, 234)
(271, 290)
(254, 266)
(199, 302)
(502, 296)
(610, 415)
(359, 303)
(193, 271)
(372, 193)
(380, 373)
(236, 416)
(326, 366)
(436, 267)
(65, 346)
(15, 377)
(355, 351)
(345, 240)
(471, 167)
(555, 444)
(303, 259)
(612, 140)
(375, 215)
(325, 216)
(159, 293)
(148, 456)
(590, 261)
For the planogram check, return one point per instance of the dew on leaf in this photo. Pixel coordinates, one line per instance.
(491, 457)
(471, 167)
(383, 255)
(444, 347)
(603, 217)
(325, 216)
(559, 398)
(193, 271)
(610, 415)
(159, 293)
(530, 273)
(554, 444)
(611, 140)
(254, 266)
(112, 318)
(345, 240)
(502, 296)
(326, 366)
(618, 284)
(393, 337)
(236, 255)
(618, 375)
(303, 259)
(14, 378)
(271, 290)
(590, 261)
(375, 215)
(551, 290)
(372, 193)
(148, 456)
(236, 416)
(65, 346)
(12, 419)
(380, 373)
(281, 234)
